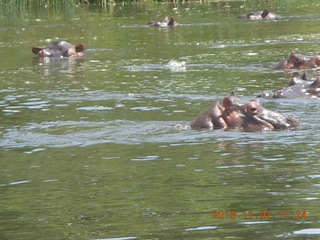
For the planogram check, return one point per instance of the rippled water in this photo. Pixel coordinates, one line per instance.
(100, 147)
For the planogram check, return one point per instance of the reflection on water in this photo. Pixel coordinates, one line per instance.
(51, 65)
(100, 147)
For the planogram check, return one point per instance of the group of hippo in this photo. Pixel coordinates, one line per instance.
(231, 112)
(258, 15)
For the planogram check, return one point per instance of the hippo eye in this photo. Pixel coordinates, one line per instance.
(253, 109)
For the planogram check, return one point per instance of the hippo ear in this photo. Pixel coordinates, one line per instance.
(315, 84)
(233, 94)
(264, 13)
(36, 50)
(79, 47)
(304, 76)
(171, 21)
(293, 81)
(227, 103)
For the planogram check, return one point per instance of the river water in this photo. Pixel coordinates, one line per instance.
(100, 147)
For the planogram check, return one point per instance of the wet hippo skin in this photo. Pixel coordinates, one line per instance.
(298, 61)
(259, 15)
(233, 113)
(59, 49)
(298, 88)
(166, 22)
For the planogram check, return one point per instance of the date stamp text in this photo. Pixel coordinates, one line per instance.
(265, 214)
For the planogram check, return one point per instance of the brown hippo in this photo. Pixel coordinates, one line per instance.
(298, 88)
(59, 49)
(258, 15)
(232, 113)
(166, 22)
(298, 61)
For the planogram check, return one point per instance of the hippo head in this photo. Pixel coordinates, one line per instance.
(167, 21)
(258, 15)
(59, 49)
(257, 118)
(296, 61)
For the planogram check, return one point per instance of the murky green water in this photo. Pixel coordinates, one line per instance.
(99, 148)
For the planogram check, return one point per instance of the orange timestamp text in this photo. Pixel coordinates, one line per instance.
(265, 214)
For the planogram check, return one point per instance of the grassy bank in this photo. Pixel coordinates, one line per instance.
(20, 4)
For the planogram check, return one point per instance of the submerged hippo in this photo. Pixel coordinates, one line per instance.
(166, 22)
(298, 61)
(232, 113)
(59, 49)
(298, 88)
(258, 15)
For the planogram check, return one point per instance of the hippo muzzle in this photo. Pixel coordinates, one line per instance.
(257, 118)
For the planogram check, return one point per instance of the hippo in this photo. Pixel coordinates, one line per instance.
(59, 49)
(298, 88)
(258, 15)
(233, 113)
(298, 61)
(166, 22)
